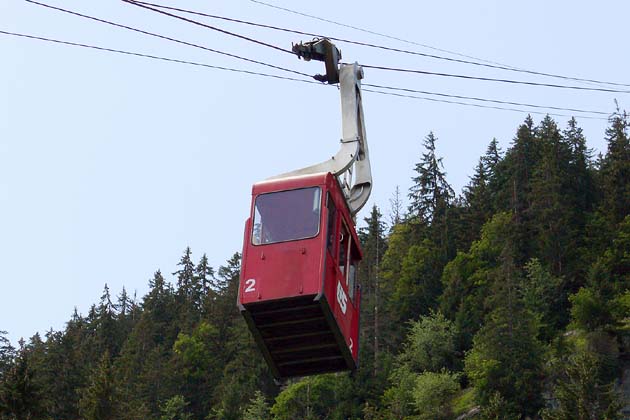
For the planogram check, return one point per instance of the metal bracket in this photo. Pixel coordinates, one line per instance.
(351, 164)
(321, 50)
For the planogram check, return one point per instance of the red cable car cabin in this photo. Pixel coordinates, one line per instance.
(298, 290)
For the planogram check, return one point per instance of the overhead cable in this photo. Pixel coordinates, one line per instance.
(356, 28)
(473, 98)
(179, 61)
(477, 105)
(214, 28)
(155, 57)
(238, 57)
(491, 79)
(370, 45)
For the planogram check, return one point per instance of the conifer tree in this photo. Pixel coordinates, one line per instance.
(513, 177)
(204, 273)
(615, 169)
(374, 246)
(430, 193)
(99, 400)
(492, 157)
(477, 202)
(579, 392)
(189, 292)
(506, 357)
(581, 198)
(206, 280)
(580, 177)
(7, 354)
(549, 210)
(175, 409)
(123, 305)
(20, 396)
(468, 279)
(159, 311)
(396, 208)
(258, 409)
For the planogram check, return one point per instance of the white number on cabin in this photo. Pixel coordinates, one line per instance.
(251, 285)
(342, 299)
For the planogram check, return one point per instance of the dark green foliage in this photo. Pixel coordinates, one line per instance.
(7, 353)
(430, 193)
(542, 297)
(511, 301)
(20, 396)
(258, 409)
(418, 287)
(100, 400)
(433, 393)
(175, 409)
(615, 170)
(311, 398)
(580, 385)
(469, 278)
(430, 344)
(506, 357)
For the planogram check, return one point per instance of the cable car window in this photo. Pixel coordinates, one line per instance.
(286, 216)
(330, 229)
(344, 241)
(352, 275)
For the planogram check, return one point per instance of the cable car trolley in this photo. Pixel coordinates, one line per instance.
(298, 288)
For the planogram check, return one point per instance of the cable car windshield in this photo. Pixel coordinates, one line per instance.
(286, 216)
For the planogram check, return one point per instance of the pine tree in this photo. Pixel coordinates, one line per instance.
(615, 169)
(123, 305)
(20, 396)
(189, 292)
(477, 203)
(159, 312)
(372, 239)
(506, 357)
(396, 208)
(175, 409)
(205, 278)
(99, 400)
(419, 285)
(468, 279)
(492, 157)
(581, 198)
(549, 211)
(144, 368)
(108, 336)
(579, 392)
(513, 186)
(580, 177)
(7, 354)
(258, 409)
(430, 193)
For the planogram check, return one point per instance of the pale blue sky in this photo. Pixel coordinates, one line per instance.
(111, 165)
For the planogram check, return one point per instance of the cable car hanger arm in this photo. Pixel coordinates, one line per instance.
(352, 160)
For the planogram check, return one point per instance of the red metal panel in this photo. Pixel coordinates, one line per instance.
(285, 269)
(278, 280)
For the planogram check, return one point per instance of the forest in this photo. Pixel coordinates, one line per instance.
(510, 300)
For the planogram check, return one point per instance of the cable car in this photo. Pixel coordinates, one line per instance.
(298, 287)
(299, 292)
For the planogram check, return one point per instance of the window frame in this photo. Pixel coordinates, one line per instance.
(254, 211)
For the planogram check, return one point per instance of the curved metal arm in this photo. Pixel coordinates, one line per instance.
(352, 159)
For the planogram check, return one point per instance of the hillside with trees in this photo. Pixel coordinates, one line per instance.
(508, 301)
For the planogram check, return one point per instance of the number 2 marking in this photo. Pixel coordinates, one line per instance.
(251, 285)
